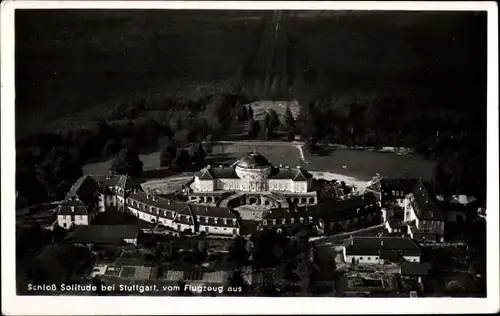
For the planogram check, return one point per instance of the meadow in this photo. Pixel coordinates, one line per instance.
(360, 164)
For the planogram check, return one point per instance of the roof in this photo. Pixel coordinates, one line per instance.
(374, 245)
(295, 174)
(210, 173)
(253, 160)
(72, 207)
(105, 233)
(282, 173)
(422, 236)
(393, 223)
(181, 208)
(156, 201)
(204, 174)
(107, 180)
(390, 254)
(280, 213)
(224, 173)
(426, 205)
(211, 211)
(83, 189)
(302, 175)
(375, 186)
(353, 203)
(415, 268)
(405, 185)
(327, 210)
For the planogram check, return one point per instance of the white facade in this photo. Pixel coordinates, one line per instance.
(412, 258)
(365, 259)
(131, 241)
(228, 184)
(67, 221)
(256, 185)
(204, 185)
(203, 223)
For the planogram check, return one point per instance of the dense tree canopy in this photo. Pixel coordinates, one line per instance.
(128, 163)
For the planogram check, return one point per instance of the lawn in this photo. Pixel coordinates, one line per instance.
(229, 153)
(221, 154)
(151, 161)
(360, 164)
(364, 165)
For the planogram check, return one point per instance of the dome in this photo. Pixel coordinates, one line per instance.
(253, 160)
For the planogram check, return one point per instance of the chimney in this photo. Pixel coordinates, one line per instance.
(168, 202)
(208, 167)
(72, 209)
(382, 243)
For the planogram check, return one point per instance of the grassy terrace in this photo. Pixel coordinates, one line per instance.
(360, 164)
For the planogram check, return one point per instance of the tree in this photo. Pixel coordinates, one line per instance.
(243, 114)
(273, 120)
(168, 152)
(264, 127)
(236, 280)
(238, 253)
(257, 89)
(182, 159)
(197, 153)
(127, 163)
(283, 87)
(128, 143)
(250, 112)
(217, 114)
(289, 120)
(58, 234)
(275, 88)
(110, 148)
(181, 136)
(252, 127)
(266, 88)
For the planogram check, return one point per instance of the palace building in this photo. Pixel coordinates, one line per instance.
(253, 180)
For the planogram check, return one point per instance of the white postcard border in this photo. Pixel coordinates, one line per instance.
(36, 305)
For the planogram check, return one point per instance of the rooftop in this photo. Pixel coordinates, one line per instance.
(373, 245)
(427, 207)
(253, 160)
(105, 233)
(83, 189)
(415, 268)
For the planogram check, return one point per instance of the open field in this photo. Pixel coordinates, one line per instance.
(361, 165)
(364, 165)
(151, 161)
(229, 153)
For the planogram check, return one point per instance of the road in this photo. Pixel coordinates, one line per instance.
(329, 240)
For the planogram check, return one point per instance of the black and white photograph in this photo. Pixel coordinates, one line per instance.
(249, 151)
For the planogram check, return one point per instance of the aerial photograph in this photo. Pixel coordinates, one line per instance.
(272, 153)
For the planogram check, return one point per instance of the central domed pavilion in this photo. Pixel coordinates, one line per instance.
(253, 170)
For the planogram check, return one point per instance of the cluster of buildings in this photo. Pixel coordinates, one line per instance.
(407, 207)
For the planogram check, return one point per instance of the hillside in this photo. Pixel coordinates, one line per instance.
(72, 66)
